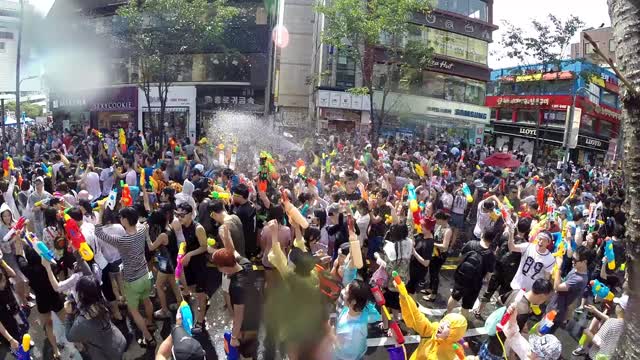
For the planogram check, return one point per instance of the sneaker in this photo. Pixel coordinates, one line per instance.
(579, 310)
(580, 351)
(162, 314)
(430, 297)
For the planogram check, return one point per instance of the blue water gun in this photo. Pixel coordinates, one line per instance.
(611, 256)
(601, 290)
(187, 317)
(40, 247)
(231, 351)
(23, 351)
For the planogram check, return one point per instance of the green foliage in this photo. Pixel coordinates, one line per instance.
(32, 110)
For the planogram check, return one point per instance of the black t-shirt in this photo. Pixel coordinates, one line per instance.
(247, 214)
(243, 291)
(424, 248)
(9, 310)
(380, 228)
(509, 261)
(36, 273)
(488, 257)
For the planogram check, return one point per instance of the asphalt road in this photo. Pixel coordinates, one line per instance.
(219, 321)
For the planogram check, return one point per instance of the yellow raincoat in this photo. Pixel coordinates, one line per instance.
(431, 348)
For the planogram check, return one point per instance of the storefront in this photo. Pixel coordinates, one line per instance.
(180, 112)
(522, 138)
(591, 150)
(435, 119)
(212, 99)
(342, 111)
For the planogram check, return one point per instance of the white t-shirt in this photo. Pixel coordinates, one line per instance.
(56, 167)
(533, 266)
(92, 180)
(106, 176)
(109, 252)
(447, 200)
(131, 178)
(363, 225)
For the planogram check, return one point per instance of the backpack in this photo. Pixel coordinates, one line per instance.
(469, 269)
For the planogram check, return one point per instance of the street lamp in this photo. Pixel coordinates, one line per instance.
(28, 78)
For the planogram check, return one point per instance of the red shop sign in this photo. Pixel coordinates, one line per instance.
(523, 101)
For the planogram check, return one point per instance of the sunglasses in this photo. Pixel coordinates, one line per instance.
(180, 215)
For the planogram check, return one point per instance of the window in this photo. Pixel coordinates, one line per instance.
(558, 87)
(476, 9)
(588, 49)
(612, 45)
(455, 45)
(477, 51)
(2, 48)
(528, 116)
(474, 92)
(345, 72)
(494, 114)
(554, 118)
(6, 35)
(506, 114)
(433, 84)
(587, 123)
(606, 128)
(454, 89)
(609, 98)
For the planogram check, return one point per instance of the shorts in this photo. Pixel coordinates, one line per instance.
(485, 354)
(457, 220)
(107, 289)
(47, 303)
(392, 299)
(214, 280)
(114, 267)
(137, 291)
(469, 295)
(164, 265)
(196, 275)
(374, 246)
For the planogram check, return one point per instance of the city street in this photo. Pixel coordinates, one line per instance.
(219, 321)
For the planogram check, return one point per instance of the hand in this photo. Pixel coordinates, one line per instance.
(68, 307)
(176, 225)
(15, 345)
(590, 308)
(45, 262)
(186, 259)
(234, 341)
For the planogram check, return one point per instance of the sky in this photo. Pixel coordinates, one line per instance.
(42, 6)
(520, 12)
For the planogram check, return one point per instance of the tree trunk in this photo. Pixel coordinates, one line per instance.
(18, 113)
(625, 17)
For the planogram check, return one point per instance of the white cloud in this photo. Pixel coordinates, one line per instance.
(520, 13)
(41, 6)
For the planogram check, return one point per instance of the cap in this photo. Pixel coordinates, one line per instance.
(562, 210)
(622, 301)
(585, 212)
(546, 347)
(185, 347)
(478, 183)
(39, 178)
(199, 167)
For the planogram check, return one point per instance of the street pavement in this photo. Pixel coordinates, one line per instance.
(219, 320)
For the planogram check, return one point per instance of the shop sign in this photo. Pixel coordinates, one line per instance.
(116, 99)
(63, 103)
(535, 101)
(462, 26)
(342, 100)
(543, 133)
(593, 143)
(435, 107)
(606, 112)
(528, 132)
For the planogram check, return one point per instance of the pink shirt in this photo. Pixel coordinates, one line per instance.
(284, 237)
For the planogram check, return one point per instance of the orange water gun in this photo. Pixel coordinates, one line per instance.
(122, 140)
(574, 189)
(127, 200)
(77, 239)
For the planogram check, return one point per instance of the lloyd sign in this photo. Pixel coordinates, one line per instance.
(528, 132)
(593, 143)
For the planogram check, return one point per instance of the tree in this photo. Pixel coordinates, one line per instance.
(157, 34)
(625, 17)
(355, 28)
(31, 110)
(543, 49)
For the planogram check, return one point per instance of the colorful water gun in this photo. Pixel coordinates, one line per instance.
(593, 216)
(77, 239)
(100, 137)
(182, 251)
(610, 254)
(534, 180)
(172, 144)
(122, 140)
(304, 210)
(293, 212)
(307, 180)
(111, 200)
(39, 247)
(393, 325)
(231, 351)
(143, 180)
(20, 180)
(300, 165)
(23, 351)
(48, 170)
(414, 208)
(419, 170)
(560, 250)
(459, 350)
(19, 225)
(467, 192)
(574, 189)
(218, 195)
(540, 200)
(507, 202)
(601, 290)
(127, 200)
(5, 167)
(43, 202)
(187, 317)
(537, 228)
(544, 326)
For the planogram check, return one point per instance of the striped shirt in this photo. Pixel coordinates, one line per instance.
(131, 248)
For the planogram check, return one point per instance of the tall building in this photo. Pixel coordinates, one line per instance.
(94, 79)
(603, 37)
(531, 111)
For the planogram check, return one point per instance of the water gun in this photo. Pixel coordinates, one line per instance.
(304, 210)
(544, 326)
(77, 239)
(111, 200)
(593, 215)
(307, 180)
(231, 351)
(574, 189)
(540, 200)
(507, 202)
(172, 144)
(388, 219)
(182, 251)
(153, 183)
(293, 212)
(379, 297)
(5, 167)
(467, 192)
(187, 317)
(15, 228)
(39, 247)
(537, 228)
(300, 165)
(399, 284)
(560, 249)
(610, 255)
(127, 200)
(601, 290)
(122, 140)
(419, 170)
(534, 180)
(354, 244)
(100, 137)
(218, 195)
(48, 170)
(143, 180)
(20, 180)
(459, 350)
(23, 351)
(43, 202)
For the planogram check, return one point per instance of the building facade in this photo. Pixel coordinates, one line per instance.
(603, 37)
(105, 94)
(531, 111)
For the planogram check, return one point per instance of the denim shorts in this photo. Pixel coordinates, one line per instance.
(457, 220)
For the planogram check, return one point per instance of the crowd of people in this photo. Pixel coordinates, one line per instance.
(308, 249)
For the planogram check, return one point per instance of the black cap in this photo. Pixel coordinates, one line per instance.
(185, 347)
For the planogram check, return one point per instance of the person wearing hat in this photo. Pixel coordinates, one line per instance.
(601, 343)
(198, 179)
(546, 347)
(179, 345)
(37, 197)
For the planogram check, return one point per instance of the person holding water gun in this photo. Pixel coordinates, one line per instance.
(13, 321)
(546, 347)
(179, 345)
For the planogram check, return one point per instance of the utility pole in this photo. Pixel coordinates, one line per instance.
(18, 112)
(2, 117)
